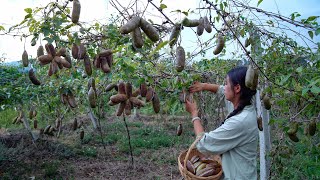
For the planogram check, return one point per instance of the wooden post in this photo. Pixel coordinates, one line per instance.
(264, 136)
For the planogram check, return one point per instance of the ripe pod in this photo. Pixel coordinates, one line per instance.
(174, 34)
(259, 122)
(156, 103)
(127, 109)
(200, 27)
(71, 99)
(40, 51)
(128, 88)
(104, 65)
(82, 134)
(249, 77)
(133, 23)
(190, 167)
(266, 102)
(87, 65)
(121, 108)
(61, 52)
(105, 53)
(35, 124)
(220, 45)
(312, 127)
(33, 78)
(92, 97)
(76, 11)
(143, 89)
(118, 98)
(137, 39)
(149, 95)
(181, 59)
(82, 51)
(179, 130)
(111, 86)
(149, 30)
(121, 88)
(190, 22)
(45, 59)
(25, 60)
(137, 102)
(207, 25)
(74, 51)
(50, 49)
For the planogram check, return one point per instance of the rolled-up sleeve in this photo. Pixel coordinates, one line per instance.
(222, 139)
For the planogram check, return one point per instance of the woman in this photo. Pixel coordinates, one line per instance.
(237, 138)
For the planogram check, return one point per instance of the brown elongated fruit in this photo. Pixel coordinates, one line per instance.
(45, 59)
(33, 77)
(156, 103)
(111, 86)
(220, 45)
(105, 53)
(135, 93)
(190, 22)
(312, 127)
(190, 167)
(137, 39)
(104, 65)
(75, 124)
(71, 99)
(133, 23)
(149, 30)
(194, 159)
(65, 63)
(293, 137)
(118, 98)
(259, 122)
(128, 88)
(35, 124)
(181, 58)
(149, 95)
(97, 62)
(57, 59)
(92, 83)
(82, 51)
(92, 97)
(61, 52)
(110, 60)
(121, 108)
(255, 79)
(40, 51)
(206, 172)
(200, 27)
(75, 51)
(143, 89)
(53, 68)
(121, 88)
(81, 134)
(50, 49)
(87, 65)
(179, 129)
(25, 59)
(207, 25)
(76, 8)
(127, 109)
(136, 102)
(249, 77)
(293, 128)
(174, 34)
(266, 102)
(110, 103)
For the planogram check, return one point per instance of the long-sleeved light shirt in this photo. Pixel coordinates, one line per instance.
(236, 140)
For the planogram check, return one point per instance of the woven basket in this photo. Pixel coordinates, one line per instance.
(186, 155)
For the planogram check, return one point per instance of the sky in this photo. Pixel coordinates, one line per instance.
(12, 12)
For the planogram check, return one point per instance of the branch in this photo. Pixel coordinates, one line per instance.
(160, 10)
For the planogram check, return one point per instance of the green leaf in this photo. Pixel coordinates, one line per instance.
(185, 13)
(259, 2)
(163, 6)
(2, 28)
(317, 32)
(310, 34)
(161, 45)
(299, 69)
(28, 10)
(315, 90)
(284, 79)
(311, 18)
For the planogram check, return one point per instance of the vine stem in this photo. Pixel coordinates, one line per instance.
(129, 139)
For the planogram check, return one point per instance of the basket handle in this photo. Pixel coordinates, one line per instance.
(189, 151)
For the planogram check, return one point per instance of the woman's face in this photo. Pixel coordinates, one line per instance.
(228, 90)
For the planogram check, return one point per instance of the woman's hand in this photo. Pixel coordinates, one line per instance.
(196, 87)
(191, 107)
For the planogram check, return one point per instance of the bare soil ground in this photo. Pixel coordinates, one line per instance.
(53, 158)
